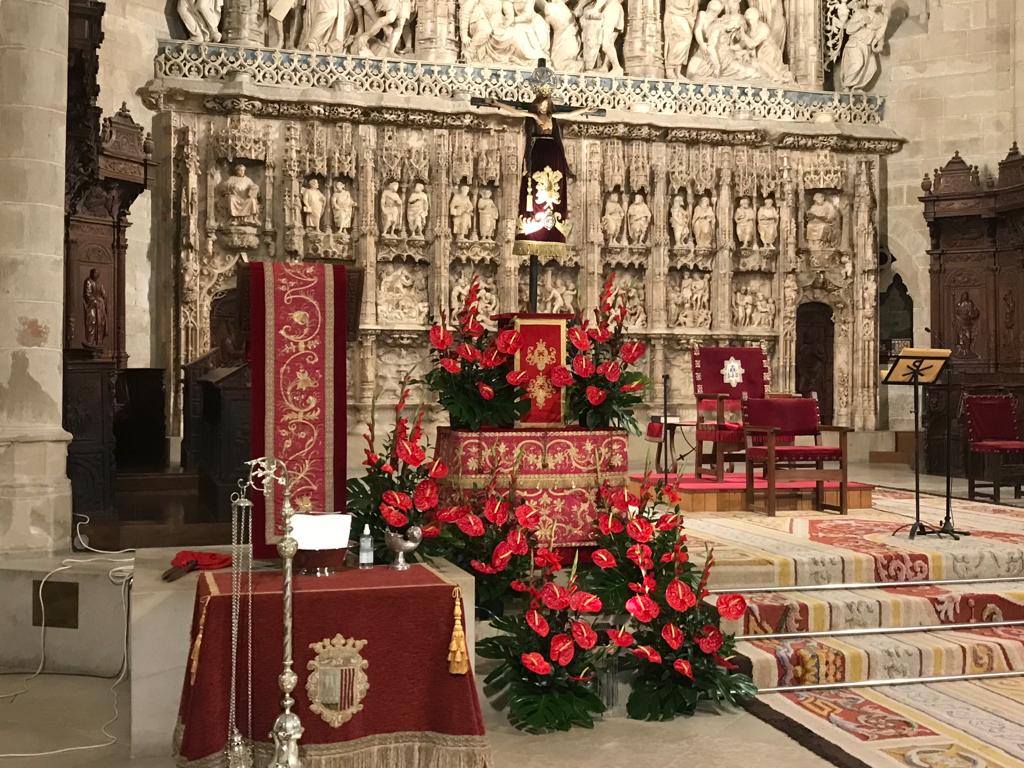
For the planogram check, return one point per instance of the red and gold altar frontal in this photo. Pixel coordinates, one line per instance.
(557, 471)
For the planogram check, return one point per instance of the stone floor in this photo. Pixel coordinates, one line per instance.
(64, 711)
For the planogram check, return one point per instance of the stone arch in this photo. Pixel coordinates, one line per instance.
(823, 291)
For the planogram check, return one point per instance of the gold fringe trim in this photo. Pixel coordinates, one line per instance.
(412, 749)
(531, 248)
(458, 654)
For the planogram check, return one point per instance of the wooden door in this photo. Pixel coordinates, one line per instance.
(815, 353)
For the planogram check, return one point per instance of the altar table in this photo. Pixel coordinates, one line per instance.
(415, 713)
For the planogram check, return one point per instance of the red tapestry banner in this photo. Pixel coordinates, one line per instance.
(542, 349)
(297, 359)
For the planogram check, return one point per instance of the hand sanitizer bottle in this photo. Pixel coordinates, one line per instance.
(366, 548)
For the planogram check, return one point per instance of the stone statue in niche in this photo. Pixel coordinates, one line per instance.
(202, 19)
(559, 293)
(704, 223)
(402, 296)
(313, 202)
(690, 301)
(965, 315)
(94, 306)
(678, 21)
(419, 209)
(679, 220)
(768, 223)
(602, 21)
(611, 220)
(324, 25)
(745, 224)
(823, 224)
(487, 214)
(639, 220)
(238, 198)
(790, 291)
(865, 28)
(391, 205)
(565, 36)
(460, 208)
(341, 207)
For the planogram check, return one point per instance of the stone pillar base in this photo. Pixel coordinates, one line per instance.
(35, 493)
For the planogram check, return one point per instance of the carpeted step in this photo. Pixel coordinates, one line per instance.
(897, 606)
(883, 656)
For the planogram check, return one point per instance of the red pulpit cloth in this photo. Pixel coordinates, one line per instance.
(415, 713)
(297, 359)
(542, 348)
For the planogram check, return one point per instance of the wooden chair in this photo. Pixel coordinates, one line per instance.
(995, 450)
(769, 420)
(722, 377)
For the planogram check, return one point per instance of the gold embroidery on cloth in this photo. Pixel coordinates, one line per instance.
(337, 682)
(540, 390)
(547, 193)
(541, 355)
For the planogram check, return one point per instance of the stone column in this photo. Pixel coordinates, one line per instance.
(804, 42)
(242, 23)
(643, 48)
(35, 495)
(436, 32)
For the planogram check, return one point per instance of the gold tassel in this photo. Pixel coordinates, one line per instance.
(458, 656)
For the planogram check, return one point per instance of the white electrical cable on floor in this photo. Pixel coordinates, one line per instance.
(121, 575)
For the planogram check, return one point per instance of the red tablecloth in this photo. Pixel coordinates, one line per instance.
(416, 713)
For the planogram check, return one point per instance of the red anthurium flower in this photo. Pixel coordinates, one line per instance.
(668, 522)
(393, 517)
(561, 376)
(387, 469)
(613, 372)
(431, 530)
(643, 608)
(621, 637)
(584, 602)
(725, 663)
(632, 351)
(672, 635)
(636, 386)
(527, 516)
(472, 327)
(425, 496)
(596, 396)
(637, 587)
(622, 499)
(537, 622)
(562, 650)
(397, 499)
(517, 542)
(492, 358)
(679, 596)
(602, 368)
(583, 634)
(536, 663)
(731, 607)
(470, 524)
(647, 653)
(519, 586)
(440, 338)
(483, 568)
(639, 529)
(603, 559)
(501, 555)
(450, 364)
(547, 558)
(509, 341)
(641, 555)
(553, 596)
(683, 667)
(583, 366)
(710, 639)
(451, 514)
(578, 338)
(486, 390)
(371, 458)
(600, 334)
(438, 470)
(496, 510)
(609, 524)
(468, 352)
(517, 378)
(410, 453)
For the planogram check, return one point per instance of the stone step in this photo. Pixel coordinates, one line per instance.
(938, 653)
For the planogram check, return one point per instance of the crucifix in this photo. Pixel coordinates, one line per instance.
(543, 214)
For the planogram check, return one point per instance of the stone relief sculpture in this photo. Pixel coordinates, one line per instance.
(94, 306)
(735, 44)
(865, 28)
(768, 223)
(611, 220)
(773, 13)
(202, 19)
(745, 224)
(238, 198)
(602, 22)
(324, 25)
(639, 220)
(678, 22)
(459, 291)
(767, 55)
(823, 223)
(391, 209)
(341, 207)
(418, 210)
(558, 293)
(487, 214)
(393, 23)
(460, 208)
(566, 50)
(403, 295)
(703, 224)
(690, 301)
(313, 202)
(753, 309)
(488, 302)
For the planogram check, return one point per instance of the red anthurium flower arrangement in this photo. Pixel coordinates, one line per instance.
(672, 634)
(472, 369)
(602, 385)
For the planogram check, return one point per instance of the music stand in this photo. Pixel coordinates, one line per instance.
(916, 368)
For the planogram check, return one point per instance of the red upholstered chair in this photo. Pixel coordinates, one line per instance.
(995, 450)
(722, 377)
(769, 420)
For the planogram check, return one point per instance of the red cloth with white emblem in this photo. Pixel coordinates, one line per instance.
(559, 471)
